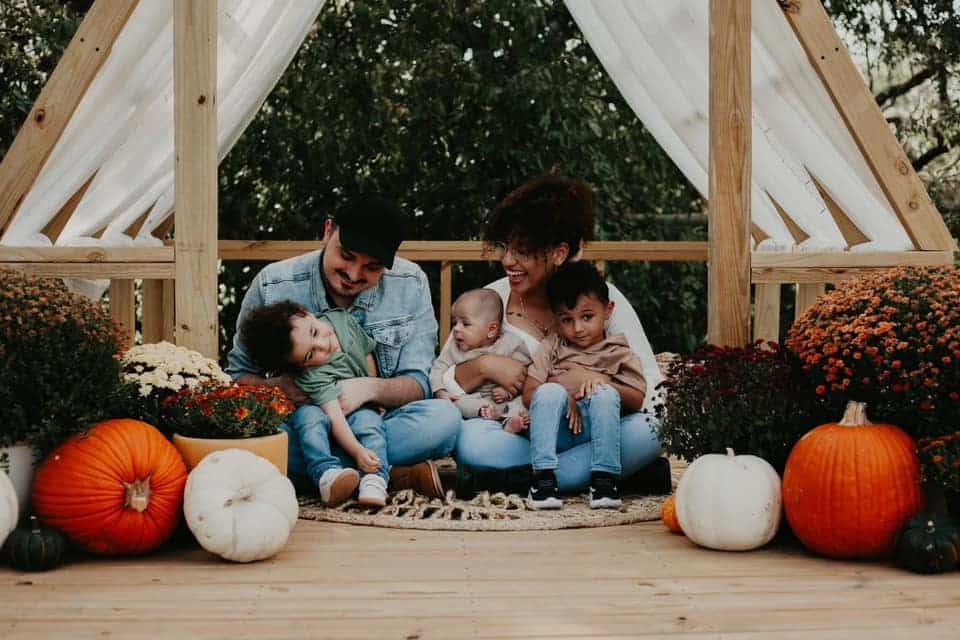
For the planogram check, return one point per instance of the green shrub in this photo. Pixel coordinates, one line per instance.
(59, 363)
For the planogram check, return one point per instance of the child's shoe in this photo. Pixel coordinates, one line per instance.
(543, 491)
(604, 492)
(337, 485)
(373, 491)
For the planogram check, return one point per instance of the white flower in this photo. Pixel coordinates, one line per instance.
(169, 367)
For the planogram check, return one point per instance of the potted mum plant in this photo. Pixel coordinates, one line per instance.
(211, 417)
(154, 372)
(59, 368)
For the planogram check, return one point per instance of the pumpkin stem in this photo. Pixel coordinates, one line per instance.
(138, 495)
(34, 524)
(855, 415)
(729, 452)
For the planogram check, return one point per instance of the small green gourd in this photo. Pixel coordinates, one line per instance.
(929, 543)
(35, 548)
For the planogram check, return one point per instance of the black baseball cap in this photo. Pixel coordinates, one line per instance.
(373, 225)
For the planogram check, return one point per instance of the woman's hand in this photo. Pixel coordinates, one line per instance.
(505, 372)
(573, 377)
(588, 386)
(575, 420)
(500, 395)
(368, 461)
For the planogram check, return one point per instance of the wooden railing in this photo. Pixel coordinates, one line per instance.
(155, 266)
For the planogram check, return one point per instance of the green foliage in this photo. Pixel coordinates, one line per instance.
(940, 459)
(58, 361)
(748, 399)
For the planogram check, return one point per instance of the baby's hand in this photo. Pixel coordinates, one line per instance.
(368, 461)
(500, 395)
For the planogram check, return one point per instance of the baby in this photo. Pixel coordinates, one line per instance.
(477, 330)
(610, 382)
(323, 350)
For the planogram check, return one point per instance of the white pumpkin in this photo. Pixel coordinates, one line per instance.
(239, 506)
(729, 502)
(9, 507)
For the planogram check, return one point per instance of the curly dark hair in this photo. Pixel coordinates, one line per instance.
(575, 279)
(542, 213)
(265, 334)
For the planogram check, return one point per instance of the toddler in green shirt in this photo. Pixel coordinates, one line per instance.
(323, 350)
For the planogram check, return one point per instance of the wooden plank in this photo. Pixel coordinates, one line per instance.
(799, 235)
(807, 294)
(94, 270)
(55, 227)
(86, 254)
(169, 331)
(123, 306)
(728, 279)
(850, 231)
(446, 299)
(766, 318)
(849, 259)
(469, 251)
(87, 51)
(809, 274)
(867, 124)
(151, 311)
(195, 175)
(137, 224)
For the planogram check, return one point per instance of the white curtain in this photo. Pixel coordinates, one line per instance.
(657, 53)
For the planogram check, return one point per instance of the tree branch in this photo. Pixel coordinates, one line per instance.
(931, 154)
(892, 93)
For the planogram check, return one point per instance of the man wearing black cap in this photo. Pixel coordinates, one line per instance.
(358, 270)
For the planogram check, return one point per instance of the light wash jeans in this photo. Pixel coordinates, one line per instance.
(415, 432)
(484, 444)
(550, 432)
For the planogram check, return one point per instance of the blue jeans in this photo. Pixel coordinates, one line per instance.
(406, 435)
(484, 444)
(550, 433)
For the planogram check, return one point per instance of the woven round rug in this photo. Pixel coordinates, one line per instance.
(485, 512)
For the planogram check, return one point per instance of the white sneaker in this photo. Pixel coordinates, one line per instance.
(373, 490)
(337, 485)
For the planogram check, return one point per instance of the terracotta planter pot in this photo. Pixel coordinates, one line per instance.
(273, 448)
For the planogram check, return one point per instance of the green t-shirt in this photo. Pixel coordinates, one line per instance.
(322, 383)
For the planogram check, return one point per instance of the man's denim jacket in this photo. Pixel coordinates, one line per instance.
(397, 314)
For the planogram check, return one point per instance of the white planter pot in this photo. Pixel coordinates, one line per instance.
(21, 463)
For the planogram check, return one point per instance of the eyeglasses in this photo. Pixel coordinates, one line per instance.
(499, 249)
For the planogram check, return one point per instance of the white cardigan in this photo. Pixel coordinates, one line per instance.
(623, 320)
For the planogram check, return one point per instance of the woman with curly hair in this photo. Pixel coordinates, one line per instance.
(533, 231)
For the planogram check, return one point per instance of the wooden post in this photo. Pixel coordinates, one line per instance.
(195, 178)
(728, 281)
(151, 311)
(169, 319)
(87, 51)
(766, 319)
(123, 307)
(807, 294)
(446, 299)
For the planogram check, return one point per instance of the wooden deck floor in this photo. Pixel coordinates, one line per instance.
(339, 581)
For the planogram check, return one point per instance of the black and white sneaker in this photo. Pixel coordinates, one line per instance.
(543, 491)
(604, 491)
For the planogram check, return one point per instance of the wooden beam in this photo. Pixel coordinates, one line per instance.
(851, 232)
(890, 166)
(807, 294)
(766, 317)
(446, 299)
(123, 307)
(55, 227)
(169, 310)
(849, 259)
(164, 228)
(137, 224)
(799, 235)
(48, 118)
(728, 280)
(86, 254)
(195, 177)
(94, 270)
(151, 311)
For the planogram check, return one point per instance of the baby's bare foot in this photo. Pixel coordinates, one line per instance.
(516, 423)
(490, 412)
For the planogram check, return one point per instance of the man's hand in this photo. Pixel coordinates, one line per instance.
(507, 373)
(575, 420)
(356, 392)
(368, 461)
(500, 395)
(573, 377)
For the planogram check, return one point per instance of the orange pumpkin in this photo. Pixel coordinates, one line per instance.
(848, 487)
(668, 513)
(114, 489)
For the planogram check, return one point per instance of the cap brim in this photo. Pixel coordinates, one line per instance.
(356, 241)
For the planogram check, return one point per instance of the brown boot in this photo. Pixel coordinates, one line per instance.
(422, 478)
